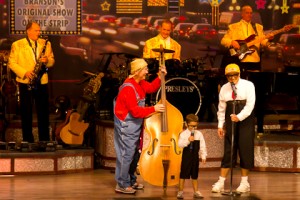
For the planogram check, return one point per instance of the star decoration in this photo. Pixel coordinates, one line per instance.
(105, 6)
(214, 2)
(260, 4)
(284, 9)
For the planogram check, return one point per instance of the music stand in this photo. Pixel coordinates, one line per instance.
(231, 193)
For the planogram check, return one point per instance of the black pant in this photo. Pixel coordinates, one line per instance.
(243, 138)
(40, 98)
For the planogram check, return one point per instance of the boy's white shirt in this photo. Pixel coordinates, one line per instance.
(184, 141)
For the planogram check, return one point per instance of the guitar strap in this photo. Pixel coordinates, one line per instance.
(254, 28)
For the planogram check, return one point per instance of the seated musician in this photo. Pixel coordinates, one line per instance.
(251, 62)
(164, 39)
(172, 59)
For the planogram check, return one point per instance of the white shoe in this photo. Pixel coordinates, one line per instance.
(198, 195)
(244, 187)
(180, 195)
(218, 187)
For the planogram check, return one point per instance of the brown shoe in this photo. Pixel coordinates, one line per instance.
(128, 190)
(138, 186)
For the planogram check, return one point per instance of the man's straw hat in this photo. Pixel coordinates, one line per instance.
(137, 65)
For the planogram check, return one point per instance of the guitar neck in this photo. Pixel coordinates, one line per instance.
(81, 109)
(259, 39)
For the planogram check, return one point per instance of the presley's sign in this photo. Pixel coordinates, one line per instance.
(54, 16)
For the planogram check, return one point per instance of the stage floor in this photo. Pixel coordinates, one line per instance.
(100, 184)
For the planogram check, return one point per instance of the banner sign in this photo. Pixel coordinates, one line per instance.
(53, 16)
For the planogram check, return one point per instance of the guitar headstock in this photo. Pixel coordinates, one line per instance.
(100, 75)
(289, 27)
(97, 82)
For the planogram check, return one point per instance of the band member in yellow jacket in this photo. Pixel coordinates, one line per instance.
(250, 63)
(164, 39)
(25, 57)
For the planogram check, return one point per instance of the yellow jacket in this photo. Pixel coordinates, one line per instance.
(22, 59)
(237, 31)
(155, 43)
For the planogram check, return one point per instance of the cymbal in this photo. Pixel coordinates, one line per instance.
(129, 56)
(163, 50)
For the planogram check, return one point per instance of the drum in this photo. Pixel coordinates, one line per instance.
(183, 94)
(193, 67)
(153, 65)
(190, 65)
(174, 68)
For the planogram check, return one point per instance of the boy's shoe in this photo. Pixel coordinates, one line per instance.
(138, 186)
(198, 195)
(180, 195)
(218, 187)
(128, 190)
(244, 187)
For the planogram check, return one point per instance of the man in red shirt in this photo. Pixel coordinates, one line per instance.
(129, 113)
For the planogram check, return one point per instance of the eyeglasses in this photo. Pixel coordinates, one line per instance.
(232, 75)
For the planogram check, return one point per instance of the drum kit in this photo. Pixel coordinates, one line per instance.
(183, 81)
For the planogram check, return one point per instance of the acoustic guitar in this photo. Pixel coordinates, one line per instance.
(73, 132)
(245, 45)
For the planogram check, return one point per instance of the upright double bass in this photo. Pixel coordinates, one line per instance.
(159, 163)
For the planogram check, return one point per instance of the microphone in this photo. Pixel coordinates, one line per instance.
(191, 144)
(233, 89)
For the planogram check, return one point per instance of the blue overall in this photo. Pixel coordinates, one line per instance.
(126, 140)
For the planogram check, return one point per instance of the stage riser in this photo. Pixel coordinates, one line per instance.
(277, 157)
(105, 146)
(269, 157)
(58, 162)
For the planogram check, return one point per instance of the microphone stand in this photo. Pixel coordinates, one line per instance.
(231, 193)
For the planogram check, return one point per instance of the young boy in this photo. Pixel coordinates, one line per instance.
(191, 140)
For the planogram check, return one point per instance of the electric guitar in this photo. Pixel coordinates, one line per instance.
(245, 45)
(73, 131)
